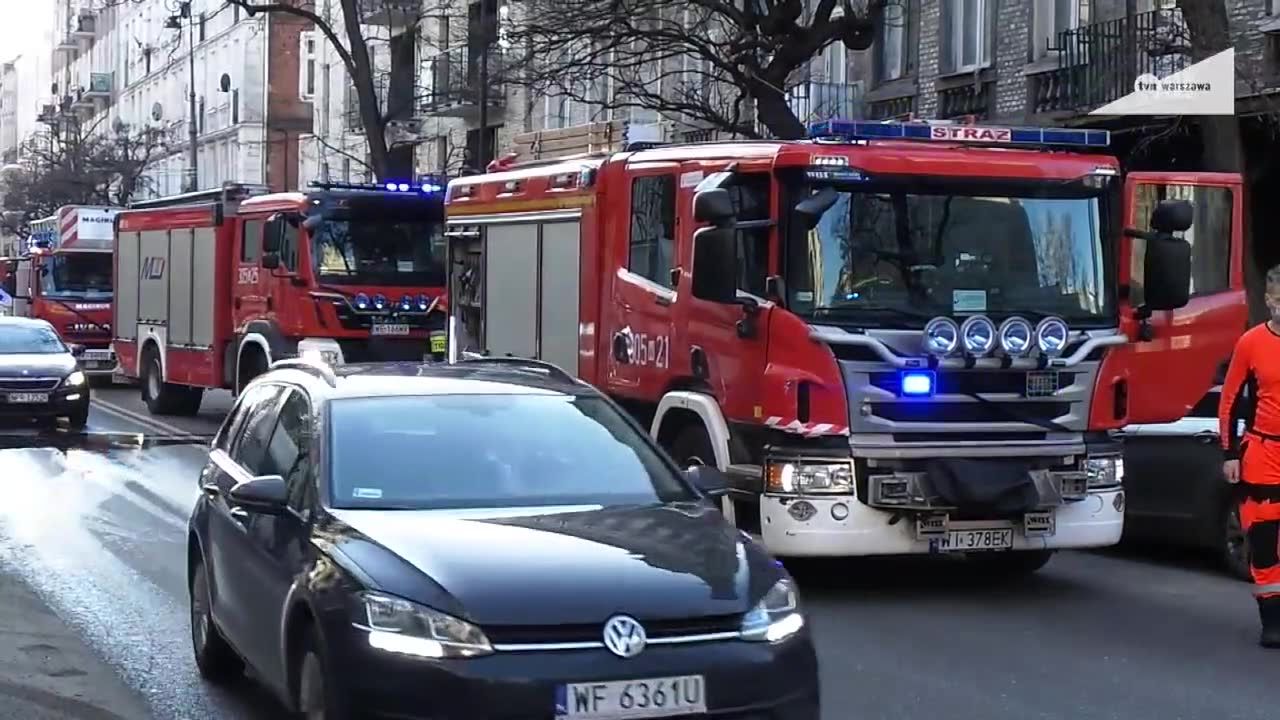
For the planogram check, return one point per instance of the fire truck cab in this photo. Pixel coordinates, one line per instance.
(63, 275)
(891, 338)
(216, 286)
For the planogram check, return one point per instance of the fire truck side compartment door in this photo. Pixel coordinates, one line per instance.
(511, 290)
(1169, 373)
(124, 323)
(180, 276)
(559, 275)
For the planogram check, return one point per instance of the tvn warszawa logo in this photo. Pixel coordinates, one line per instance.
(1205, 88)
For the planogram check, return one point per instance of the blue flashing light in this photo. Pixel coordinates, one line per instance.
(401, 187)
(977, 134)
(424, 302)
(391, 187)
(362, 301)
(917, 383)
(379, 301)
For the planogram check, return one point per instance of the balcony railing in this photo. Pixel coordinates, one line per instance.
(455, 78)
(815, 101)
(394, 13)
(1099, 63)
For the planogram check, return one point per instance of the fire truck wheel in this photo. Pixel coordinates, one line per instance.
(1014, 563)
(162, 398)
(691, 446)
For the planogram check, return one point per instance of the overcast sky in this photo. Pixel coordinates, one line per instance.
(23, 24)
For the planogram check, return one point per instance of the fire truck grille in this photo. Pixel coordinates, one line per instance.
(29, 384)
(384, 350)
(1030, 384)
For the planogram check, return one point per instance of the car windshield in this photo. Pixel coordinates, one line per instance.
(895, 257)
(486, 451)
(77, 275)
(373, 251)
(29, 339)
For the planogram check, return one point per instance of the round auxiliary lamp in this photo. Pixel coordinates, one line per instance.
(941, 336)
(978, 336)
(1016, 337)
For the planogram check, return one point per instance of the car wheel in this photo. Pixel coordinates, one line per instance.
(1235, 544)
(1013, 563)
(319, 697)
(215, 658)
(79, 419)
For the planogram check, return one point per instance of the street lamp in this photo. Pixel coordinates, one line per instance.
(175, 23)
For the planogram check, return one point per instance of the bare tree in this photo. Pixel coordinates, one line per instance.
(71, 164)
(721, 63)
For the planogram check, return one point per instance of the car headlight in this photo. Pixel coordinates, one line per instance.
(1104, 472)
(776, 617)
(399, 626)
(75, 379)
(809, 478)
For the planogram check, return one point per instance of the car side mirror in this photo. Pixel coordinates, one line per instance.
(76, 350)
(709, 480)
(265, 494)
(715, 265)
(270, 260)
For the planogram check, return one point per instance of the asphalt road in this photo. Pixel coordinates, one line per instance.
(98, 530)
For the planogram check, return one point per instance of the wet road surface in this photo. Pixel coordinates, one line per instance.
(98, 528)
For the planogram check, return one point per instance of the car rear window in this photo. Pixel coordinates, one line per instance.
(486, 451)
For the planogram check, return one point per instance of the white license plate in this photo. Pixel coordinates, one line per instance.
(28, 397)
(974, 540)
(390, 329)
(98, 355)
(628, 699)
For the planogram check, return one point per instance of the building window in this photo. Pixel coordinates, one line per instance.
(1209, 235)
(653, 228)
(966, 40)
(203, 19)
(307, 68)
(891, 44)
(1051, 17)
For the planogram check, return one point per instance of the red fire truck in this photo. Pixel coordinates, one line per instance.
(892, 338)
(64, 277)
(217, 285)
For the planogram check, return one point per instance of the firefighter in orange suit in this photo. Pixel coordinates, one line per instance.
(1251, 393)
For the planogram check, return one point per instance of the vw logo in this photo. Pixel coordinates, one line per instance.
(624, 636)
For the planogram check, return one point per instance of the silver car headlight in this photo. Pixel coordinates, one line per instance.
(776, 617)
(978, 335)
(1017, 338)
(1104, 472)
(399, 626)
(941, 336)
(804, 478)
(75, 379)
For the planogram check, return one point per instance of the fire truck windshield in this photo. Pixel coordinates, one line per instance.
(77, 275)
(893, 256)
(386, 251)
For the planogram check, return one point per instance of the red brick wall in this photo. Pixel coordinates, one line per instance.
(288, 116)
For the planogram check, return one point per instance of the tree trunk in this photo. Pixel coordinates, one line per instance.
(775, 113)
(1210, 33)
(375, 130)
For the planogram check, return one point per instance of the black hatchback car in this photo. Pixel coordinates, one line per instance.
(488, 539)
(40, 376)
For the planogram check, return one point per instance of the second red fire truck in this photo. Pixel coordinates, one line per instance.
(215, 286)
(894, 338)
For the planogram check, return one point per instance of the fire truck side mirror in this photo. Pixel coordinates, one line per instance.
(715, 260)
(1171, 216)
(1166, 273)
(312, 222)
(714, 206)
(812, 208)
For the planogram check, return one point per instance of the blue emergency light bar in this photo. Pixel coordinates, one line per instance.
(975, 134)
(402, 187)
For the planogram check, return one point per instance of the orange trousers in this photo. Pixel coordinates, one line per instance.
(1260, 514)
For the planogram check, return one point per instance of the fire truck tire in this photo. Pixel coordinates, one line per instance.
(190, 403)
(250, 365)
(1016, 563)
(162, 398)
(690, 445)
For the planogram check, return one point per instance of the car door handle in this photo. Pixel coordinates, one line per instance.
(663, 300)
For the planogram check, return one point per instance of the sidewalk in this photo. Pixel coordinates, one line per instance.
(48, 673)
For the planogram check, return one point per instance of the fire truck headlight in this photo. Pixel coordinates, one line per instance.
(978, 335)
(809, 478)
(379, 301)
(362, 301)
(424, 302)
(1051, 336)
(941, 336)
(1016, 337)
(1104, 472)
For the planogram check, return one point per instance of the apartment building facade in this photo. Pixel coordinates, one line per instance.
(128, 69)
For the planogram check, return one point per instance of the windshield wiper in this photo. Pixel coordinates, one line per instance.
(900, 312)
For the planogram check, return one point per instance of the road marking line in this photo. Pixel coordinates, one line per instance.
(151, 423)
(114, 411)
